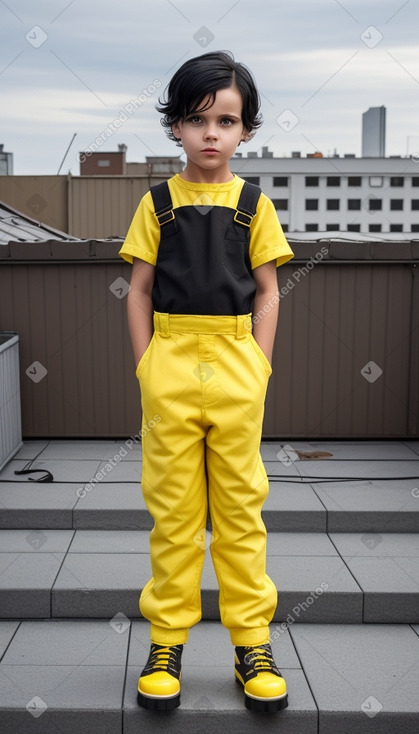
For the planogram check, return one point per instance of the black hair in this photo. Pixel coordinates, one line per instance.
(201, 77)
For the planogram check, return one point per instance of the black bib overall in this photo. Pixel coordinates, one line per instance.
(203, 264)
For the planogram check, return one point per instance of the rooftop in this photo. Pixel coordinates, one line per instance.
(18, 227)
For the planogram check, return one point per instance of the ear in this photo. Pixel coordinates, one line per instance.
(176, 131)
(246, 136)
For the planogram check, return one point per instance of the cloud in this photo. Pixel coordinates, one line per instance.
(308, 57)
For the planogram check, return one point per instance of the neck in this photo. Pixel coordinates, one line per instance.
(194, 174)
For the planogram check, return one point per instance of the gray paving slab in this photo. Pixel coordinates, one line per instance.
(100, 584)
(7, 630)
(362, 450)
(63, 470)
(78, 449)
(314, 589)
(110, 541)
(33, 505)
(293, 507)
(81, 642)
(390, 586)
(60, 674)
(61, 699)
(413, 446)
(364, 678)
(34, 541)
(123, 471)
(355, 469)
(376, 544)
(30, 449)
(109, 506)
(364, 506)
(300, 544)
(25, 583)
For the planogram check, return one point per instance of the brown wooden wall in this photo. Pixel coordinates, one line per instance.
(83, 206)
(342, 320)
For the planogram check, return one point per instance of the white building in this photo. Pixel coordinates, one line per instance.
(348, 194)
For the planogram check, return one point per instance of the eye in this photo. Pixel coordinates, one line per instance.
(194, 119)
(227, 121)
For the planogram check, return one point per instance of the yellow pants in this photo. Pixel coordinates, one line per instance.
(203, 382)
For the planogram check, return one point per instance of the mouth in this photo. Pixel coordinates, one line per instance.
(210, 150)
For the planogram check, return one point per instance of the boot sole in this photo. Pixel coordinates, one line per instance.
(270, 705)
(158, 704)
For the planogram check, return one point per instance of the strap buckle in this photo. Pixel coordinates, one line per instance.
(165, 216)
(243, 217)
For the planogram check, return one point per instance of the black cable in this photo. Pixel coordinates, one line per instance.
(47, 476)
(271, 477)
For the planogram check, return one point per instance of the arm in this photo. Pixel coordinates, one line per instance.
(264, 328)
(140, 307)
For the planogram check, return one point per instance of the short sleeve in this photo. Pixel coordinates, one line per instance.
(267, 240)
(143, 236)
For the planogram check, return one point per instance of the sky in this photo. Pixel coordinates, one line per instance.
(90, 66)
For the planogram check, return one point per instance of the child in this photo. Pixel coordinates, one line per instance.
(205, 246)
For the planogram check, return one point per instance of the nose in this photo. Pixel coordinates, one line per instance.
(211, 132)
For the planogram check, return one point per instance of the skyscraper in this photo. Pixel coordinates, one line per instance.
(374, 132)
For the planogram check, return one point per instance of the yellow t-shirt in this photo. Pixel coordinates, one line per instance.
(267, 240)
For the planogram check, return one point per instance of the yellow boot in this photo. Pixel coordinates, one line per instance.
(159, 683)
(264, 687)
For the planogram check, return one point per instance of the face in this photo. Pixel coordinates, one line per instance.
(210, 138)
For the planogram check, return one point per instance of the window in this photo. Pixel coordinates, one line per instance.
(104, 163)
(396, 205)
(354, 204)
(331, 227)
(396, 181)
(280, 181)
(312, 227)
(415, 205)
(376, 180)
(396, 228)
(312, 204)
(333, 204)
(333, 180)
(284, 227)
(415, 180)
(252, 179)
(354, 228)
(375, 205)
(312, 180)
(414, 228)
(280, 204)
(354, 180)
(374, 228)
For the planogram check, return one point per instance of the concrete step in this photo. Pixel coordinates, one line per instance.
(81, 675)
(361, 506)
(362, 488)
(320, 577)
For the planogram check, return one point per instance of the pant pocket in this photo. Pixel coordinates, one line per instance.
(144, 359)
(261, 355)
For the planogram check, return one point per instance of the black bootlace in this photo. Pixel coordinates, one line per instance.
(260, 658)
(164, 658)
